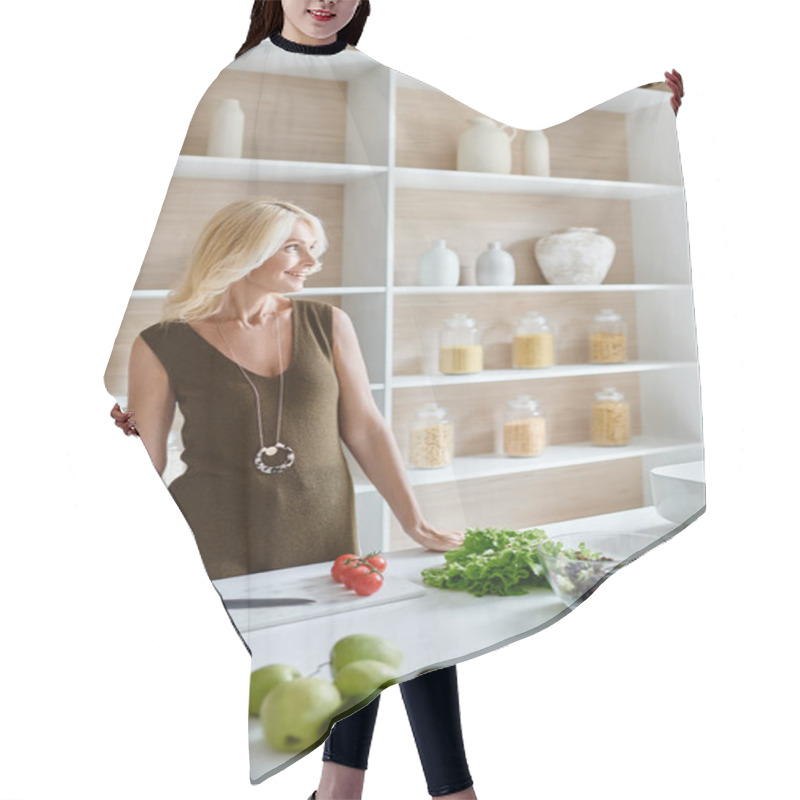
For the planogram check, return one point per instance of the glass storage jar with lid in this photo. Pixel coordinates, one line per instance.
(611, 418)
(533, 345)
(608, 338)
(524, 428)
(431, 440)
(460, 348)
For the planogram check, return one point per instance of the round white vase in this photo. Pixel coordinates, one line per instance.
(536, 154)
(495, 267)
(226, 137)
(438, 266)
(575, 256)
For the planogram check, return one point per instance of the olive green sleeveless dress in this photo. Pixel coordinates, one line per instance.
(245, 521)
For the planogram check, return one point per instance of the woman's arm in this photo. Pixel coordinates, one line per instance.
(366, 434)
(151, 400)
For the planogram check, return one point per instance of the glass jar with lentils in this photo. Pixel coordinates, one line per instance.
(460, 348)
(431, 440)
(608, 338)
(611, 418)
(524, 428)
(533, 346)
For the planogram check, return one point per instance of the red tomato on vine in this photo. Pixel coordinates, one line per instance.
(341, 565)
(368, 583)
(353, 573)
(377, 561)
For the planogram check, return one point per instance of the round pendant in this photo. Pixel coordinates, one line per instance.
(271, 469)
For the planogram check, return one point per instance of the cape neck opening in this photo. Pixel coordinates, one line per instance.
(308, 49)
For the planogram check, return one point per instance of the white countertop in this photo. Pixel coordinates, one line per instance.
(437, 628)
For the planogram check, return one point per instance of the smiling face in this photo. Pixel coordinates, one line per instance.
(287, 269)
(316, 22)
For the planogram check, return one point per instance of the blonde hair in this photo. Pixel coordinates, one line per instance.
(236, 240)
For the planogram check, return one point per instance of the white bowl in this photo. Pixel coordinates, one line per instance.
(679, 490)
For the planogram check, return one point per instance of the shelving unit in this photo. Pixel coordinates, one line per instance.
(385, 185)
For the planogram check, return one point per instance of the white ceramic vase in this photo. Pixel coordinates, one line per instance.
(575, 256)
(495, 267)
(226, 137)
(438, 266)
(536, 154)
(485, 147)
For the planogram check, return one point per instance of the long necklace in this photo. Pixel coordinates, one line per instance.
(265, 452)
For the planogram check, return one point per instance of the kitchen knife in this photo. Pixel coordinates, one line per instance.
(266, 602)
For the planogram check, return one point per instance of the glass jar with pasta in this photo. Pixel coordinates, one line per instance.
(524, 428)
(533, 346)
(460, 348)
(431, 439)
(611, 418)
(608, 338)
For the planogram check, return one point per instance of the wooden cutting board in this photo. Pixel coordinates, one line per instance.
(312, 581)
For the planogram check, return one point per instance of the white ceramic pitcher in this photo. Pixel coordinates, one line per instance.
(485, 147)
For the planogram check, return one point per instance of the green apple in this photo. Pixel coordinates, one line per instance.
(359, 679)
(296, 713)
(265, 679)
(364, 647)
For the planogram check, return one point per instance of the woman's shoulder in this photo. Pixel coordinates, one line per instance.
(161, 333)
(320, 318)
(316, 307)
(163, 326)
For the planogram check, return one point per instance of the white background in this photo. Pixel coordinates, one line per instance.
(121, 676)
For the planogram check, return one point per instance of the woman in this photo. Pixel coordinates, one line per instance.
(269, 387)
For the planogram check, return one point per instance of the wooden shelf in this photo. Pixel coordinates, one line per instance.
(544, 288)
(556, 372)
(459, 181)
(322, 291)
(399, 291)
(252, 169)
(468, 468)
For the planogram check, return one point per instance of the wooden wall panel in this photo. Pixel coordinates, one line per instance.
(311, 130)
(190, 203)
(429, 123)
(468, 221)
(418, 319)
(523, 501)
(474, 409)
(591, 145)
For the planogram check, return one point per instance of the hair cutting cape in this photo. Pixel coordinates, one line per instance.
(380, 159)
